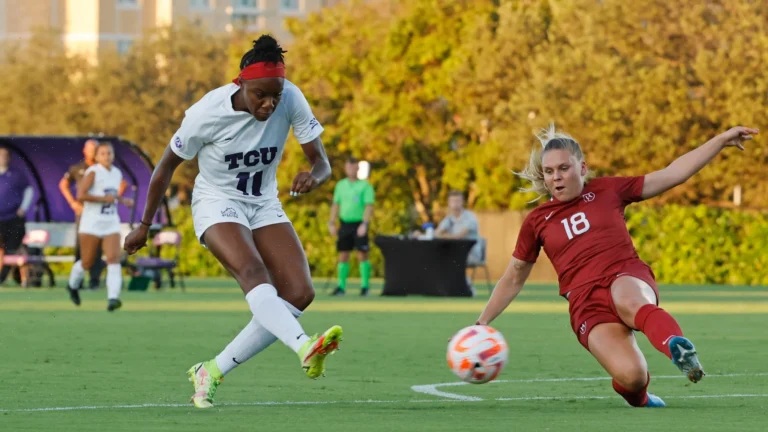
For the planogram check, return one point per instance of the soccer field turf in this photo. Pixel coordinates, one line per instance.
(88, 370)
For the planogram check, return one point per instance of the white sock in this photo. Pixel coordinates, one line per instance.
(76, 275)
(252, 340)
(114, 281)
(271, 312)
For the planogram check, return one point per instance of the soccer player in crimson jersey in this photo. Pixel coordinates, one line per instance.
(610, 290)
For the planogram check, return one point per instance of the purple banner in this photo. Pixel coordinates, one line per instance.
(45, 160)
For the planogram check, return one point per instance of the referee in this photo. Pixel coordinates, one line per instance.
(353, 206)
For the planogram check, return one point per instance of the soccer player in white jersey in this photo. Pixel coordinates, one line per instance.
(238, 134)
(100, 224)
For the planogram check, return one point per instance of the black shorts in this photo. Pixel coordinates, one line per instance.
(11, 234)
(348, 238)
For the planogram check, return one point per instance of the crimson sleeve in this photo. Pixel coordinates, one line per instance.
(629, 189)
(528, 244)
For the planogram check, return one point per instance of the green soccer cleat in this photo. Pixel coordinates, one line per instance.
(206, 377)
(316, 349)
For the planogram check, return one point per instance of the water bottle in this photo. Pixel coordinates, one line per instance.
(429, 231)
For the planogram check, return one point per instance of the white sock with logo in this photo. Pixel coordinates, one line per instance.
(271, 312)
(252, 340)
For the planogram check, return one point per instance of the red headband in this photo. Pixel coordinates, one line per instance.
(261, 70)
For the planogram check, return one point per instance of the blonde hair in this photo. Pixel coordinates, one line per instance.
(550, 139)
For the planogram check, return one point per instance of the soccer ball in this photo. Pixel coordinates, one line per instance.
(477, 354)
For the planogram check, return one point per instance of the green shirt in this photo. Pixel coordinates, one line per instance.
(352, 197)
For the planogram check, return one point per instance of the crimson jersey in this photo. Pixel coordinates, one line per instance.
(585, 238)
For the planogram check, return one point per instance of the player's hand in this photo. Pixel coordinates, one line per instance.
(332, 229)
(128, 202)
(77, 207)
(735, 137)
(362, 230)
(109, 198)
(136, 239)
(303, 183)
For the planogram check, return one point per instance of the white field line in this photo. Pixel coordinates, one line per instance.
(447, 397)
(355, 402)
(432, 389)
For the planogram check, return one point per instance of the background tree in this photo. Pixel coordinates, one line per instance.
(445, 94)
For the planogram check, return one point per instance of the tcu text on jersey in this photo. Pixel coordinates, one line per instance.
(252, 158)
(265, 156)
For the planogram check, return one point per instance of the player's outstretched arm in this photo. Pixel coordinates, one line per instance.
(507, 288)
(684, 167)
(158, 184)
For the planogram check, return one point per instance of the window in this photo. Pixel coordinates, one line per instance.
(246, 14)
(127, 4)
(289, 5)
(245, 3)
(199, 4)
(246, 21)
(123, 46)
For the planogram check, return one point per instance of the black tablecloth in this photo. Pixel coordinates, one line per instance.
(426, 267)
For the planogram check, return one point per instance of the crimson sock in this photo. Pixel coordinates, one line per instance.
(658, 326)
(636, 398)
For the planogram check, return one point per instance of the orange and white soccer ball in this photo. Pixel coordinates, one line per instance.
(477, 354)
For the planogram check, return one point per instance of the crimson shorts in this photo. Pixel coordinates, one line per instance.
(591, 306)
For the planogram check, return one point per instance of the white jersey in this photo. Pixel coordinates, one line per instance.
(237, 154)
(101, 218)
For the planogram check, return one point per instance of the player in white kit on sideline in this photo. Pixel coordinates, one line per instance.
(238, 134)
(100, 224)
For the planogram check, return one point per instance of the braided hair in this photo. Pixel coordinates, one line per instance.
(265, 49)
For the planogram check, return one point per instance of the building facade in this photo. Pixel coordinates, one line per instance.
(92, 27)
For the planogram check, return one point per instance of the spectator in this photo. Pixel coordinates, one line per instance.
(460, 223)
(75, 174)
(16, 196)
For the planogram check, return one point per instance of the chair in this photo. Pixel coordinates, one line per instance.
(474, 262)
(158, 264)
(29, 259)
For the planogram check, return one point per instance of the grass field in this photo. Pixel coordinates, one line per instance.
(89, 370)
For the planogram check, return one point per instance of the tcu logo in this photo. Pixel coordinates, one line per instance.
(263, 155)
(583, 328)
(229, 212)
(589, 197)
(177, 142)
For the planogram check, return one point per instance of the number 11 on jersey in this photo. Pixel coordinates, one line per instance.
(242, 183)
(577, 225)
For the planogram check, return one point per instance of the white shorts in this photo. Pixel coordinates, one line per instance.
(207, 211)
(98, 228)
